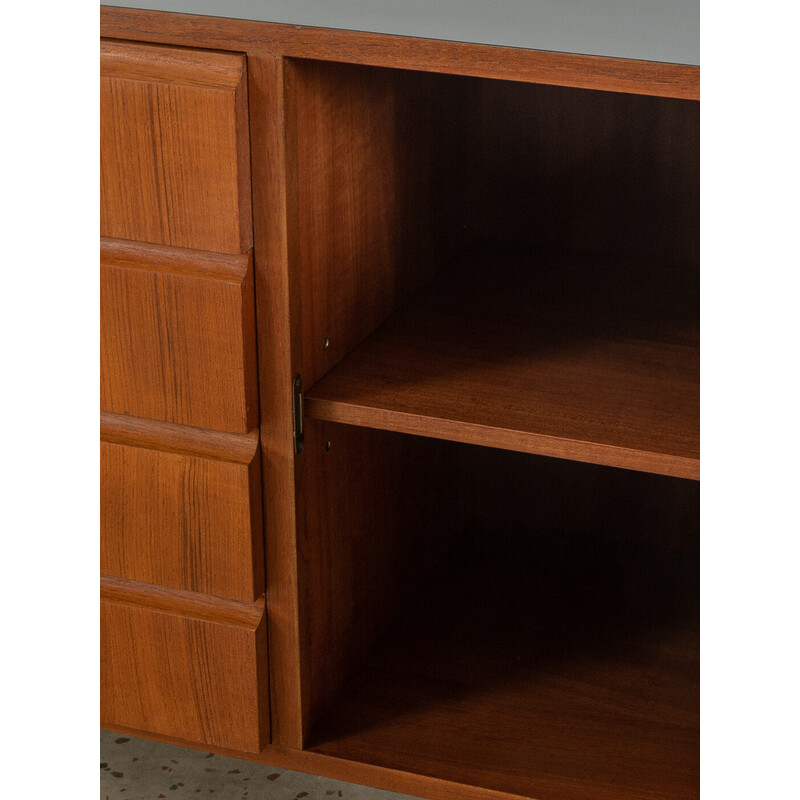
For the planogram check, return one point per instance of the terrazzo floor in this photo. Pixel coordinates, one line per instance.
(137, 769)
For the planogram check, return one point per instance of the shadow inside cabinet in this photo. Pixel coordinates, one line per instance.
(497, 518)
(552, 649)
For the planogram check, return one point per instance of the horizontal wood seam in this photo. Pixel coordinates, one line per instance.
(124, 254)
(239, 448)
(183, 603)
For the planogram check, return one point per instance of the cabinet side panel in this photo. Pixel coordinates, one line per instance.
(376, 185)
(377, 516)
(277, 329)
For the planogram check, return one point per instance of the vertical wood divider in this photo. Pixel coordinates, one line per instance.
(277, 325)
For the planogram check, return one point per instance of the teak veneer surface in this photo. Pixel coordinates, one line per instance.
(177, 339)
(122, 429)
(373, 152)
(378, 522)
(174, 157)
(181, 521)
(277, 326)
(498, 676)
(203, 607)
(548, 358)
(193, 670)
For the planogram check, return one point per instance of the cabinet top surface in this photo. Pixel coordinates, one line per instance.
(651, 30)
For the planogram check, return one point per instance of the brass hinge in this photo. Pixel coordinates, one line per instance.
(297, 413)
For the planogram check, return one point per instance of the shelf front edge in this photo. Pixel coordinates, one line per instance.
(504, 439)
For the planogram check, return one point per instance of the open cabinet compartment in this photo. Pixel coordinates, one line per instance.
(491, 272)
(543, 631)
(540, 242)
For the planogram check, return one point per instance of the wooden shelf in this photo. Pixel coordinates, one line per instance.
(564, 680)
(578, 358)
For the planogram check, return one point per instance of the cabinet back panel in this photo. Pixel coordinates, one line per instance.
(503, 497)
(376, 518)
(592, 172)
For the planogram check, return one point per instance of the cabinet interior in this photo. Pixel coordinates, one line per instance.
(516, 622)
(498, 310)
(539, 243)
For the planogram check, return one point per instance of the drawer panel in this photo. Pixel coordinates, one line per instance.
(177, 336)
(191, 668)
(189, 519)
(174, 157)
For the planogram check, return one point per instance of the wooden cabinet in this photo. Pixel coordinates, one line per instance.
(182, 551)
(424, 414)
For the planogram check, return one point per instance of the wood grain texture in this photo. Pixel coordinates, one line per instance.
(535, 66)
(574, 676)
(375, 175)
(219, 610)
(181, 521)
(378, 520)
(234, 447)
(574, 359)
(188, 666)
(362, 180)
(177, 339)
(174, 157)
(599, 173)
(277, 294)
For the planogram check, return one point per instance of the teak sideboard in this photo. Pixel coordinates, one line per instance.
(400, 407)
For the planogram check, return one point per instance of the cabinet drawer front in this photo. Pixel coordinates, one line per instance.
(184, 520)
(174, 157)
(195, 673)
(177, 338)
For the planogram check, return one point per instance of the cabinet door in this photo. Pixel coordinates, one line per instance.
(181, 508)
(174, 147)
(177, 338)
(183, 665)
(183, 630)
